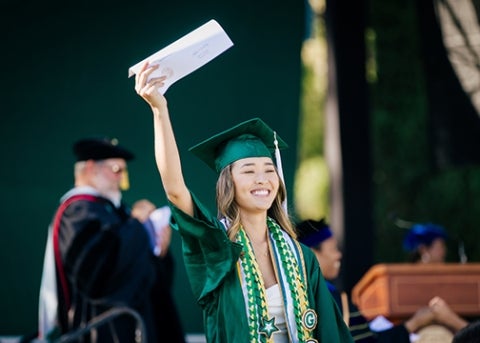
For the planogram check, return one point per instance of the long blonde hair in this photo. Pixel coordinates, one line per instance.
(228, 208)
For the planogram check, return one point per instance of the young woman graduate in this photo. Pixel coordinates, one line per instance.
(254, 281)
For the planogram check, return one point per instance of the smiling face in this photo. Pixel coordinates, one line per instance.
(256, 183)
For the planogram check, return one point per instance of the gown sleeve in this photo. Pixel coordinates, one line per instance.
(209, 255)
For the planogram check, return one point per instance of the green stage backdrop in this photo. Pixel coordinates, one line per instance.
(65, 76)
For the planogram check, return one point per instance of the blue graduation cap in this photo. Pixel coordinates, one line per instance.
(423, 234)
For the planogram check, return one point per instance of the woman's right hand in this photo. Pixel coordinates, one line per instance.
(147, 87)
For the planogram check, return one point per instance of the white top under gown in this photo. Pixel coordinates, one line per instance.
(275, 309)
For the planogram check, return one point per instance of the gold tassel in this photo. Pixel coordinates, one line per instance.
(124, 181)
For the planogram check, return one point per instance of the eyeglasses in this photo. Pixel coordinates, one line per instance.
(114, 167)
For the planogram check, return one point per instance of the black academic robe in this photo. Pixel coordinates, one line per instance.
(107, 261)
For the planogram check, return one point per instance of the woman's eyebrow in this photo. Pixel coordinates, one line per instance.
(249, 164)
(246, 164)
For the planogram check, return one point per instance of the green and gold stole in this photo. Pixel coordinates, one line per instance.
(290, 270)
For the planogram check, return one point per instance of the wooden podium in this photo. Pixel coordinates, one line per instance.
(396, 291)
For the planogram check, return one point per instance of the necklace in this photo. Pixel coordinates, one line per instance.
(261, 248)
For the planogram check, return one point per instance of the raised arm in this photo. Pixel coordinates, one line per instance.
(166, 150)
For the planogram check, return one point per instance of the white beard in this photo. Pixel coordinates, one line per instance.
(108, 190)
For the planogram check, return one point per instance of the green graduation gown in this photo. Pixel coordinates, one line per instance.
(211, 263)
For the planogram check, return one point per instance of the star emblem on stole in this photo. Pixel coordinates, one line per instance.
(268, 327)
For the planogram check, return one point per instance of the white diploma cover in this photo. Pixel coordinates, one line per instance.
(187, 54)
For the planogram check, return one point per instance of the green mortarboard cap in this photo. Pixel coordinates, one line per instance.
(252, 138)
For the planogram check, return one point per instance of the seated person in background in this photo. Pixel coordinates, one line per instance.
(318, 236)
(426, 243)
